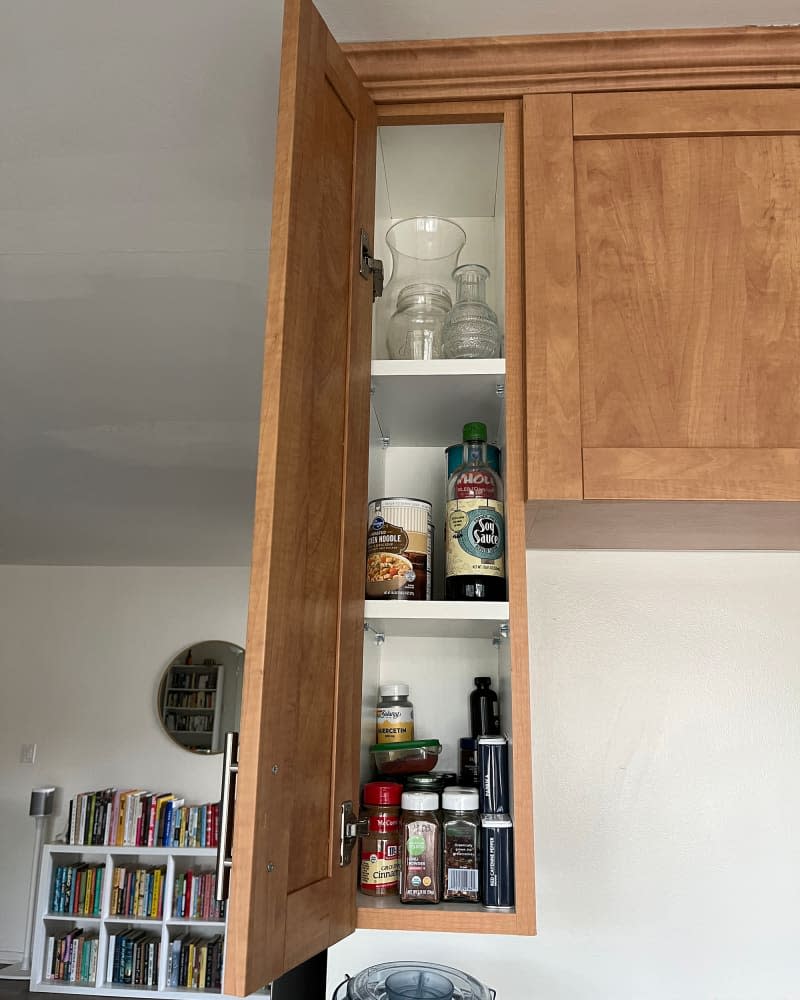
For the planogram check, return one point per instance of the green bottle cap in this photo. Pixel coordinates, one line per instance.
(475, 431)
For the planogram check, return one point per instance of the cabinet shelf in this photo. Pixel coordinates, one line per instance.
(388, 913)
(422, 403)
(437, 619)
(189, 922)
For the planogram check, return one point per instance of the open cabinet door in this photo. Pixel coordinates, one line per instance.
(301, 709)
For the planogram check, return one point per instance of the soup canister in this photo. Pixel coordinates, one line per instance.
(399, 547)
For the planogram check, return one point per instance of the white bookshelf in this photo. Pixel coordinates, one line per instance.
(174, 860)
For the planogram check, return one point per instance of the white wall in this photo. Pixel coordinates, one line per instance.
(81, 654)
(665, 698)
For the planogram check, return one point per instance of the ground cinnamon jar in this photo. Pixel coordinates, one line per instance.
(379, 874)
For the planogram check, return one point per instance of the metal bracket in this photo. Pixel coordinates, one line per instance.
(385, 441)
(350, 829)
(370, 266)
(501, 634)
(500, 389)
(380, 638)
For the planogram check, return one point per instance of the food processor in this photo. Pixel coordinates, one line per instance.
(411, 981)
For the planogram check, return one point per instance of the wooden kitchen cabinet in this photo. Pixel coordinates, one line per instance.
(311, 676)
(663, 240)
(649, 250)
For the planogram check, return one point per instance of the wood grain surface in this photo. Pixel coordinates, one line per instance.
(686, 112)
(300, 724)
(515, 482)
(692, 473)
(551, 362)
(508, 67)
(689, 291)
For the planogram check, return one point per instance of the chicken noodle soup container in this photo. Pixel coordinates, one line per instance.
(399, 547)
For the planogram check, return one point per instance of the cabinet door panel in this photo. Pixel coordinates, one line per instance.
(689, 291)
(300, 726)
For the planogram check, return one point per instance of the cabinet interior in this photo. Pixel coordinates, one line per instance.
(419, 408)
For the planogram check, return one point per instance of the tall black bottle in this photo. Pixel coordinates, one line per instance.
(484, 709)
(475, 525)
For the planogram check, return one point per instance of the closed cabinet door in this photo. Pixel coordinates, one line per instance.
(300, 723)
(684, 332)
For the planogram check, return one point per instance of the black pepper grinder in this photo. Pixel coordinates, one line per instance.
(484, 711)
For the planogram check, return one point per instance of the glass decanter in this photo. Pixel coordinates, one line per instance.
(471, 329)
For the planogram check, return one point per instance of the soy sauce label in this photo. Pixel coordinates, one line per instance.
(475, 538)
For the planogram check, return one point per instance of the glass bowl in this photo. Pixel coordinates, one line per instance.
(406, 758)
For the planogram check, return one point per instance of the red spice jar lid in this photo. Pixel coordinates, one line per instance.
(382, 793)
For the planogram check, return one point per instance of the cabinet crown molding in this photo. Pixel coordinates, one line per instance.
(509, 66)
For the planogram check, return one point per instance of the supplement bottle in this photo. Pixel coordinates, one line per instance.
(484, 711)
(420, 848)
(461, 828)
(379, 874)
(475, 526)
(394, 716)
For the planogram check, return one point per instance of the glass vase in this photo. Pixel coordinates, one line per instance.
(471, 329)
(424, 250)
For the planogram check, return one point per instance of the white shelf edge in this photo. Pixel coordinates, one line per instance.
(447, 367)
(184, 922)
(127, 850)
(133, 921)
(432, 619)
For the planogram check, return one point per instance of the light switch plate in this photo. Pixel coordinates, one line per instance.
(27, 754)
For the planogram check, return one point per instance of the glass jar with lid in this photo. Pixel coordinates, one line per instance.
(471, 329)
(415, 328)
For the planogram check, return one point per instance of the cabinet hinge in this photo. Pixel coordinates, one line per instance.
(369, 265)
(350, 829)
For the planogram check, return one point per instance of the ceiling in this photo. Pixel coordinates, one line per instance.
(136, 150)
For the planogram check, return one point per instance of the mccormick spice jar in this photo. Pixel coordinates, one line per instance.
(461, 827)
(379, 874)
(420, 872)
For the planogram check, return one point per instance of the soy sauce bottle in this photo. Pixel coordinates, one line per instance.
(475, 525)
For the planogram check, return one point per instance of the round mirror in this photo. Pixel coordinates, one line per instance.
(200, 695)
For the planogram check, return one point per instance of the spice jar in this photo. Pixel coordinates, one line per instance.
(420, 848)
(379, 874)
(394, 716)
(433, 781)
(461, 829)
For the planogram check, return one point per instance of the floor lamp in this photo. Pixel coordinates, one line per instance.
(41, 807)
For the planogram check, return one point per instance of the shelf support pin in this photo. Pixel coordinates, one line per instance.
(385, 441)
(380, 638)
(270, 867)
(500, 389)
(274, 768)
(501, 635)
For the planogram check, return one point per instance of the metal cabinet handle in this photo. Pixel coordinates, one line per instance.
(230, 769)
